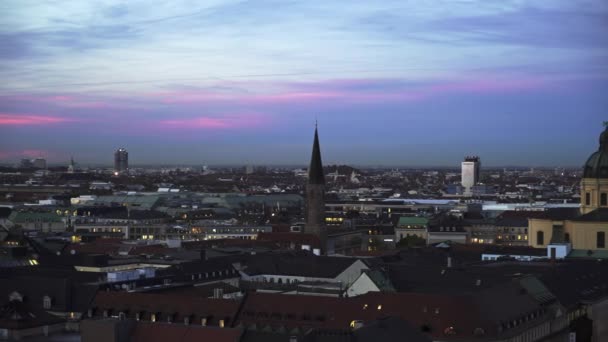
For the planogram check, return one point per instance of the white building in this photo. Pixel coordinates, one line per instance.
(470, 174)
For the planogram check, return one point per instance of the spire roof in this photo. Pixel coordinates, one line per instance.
(315, 170)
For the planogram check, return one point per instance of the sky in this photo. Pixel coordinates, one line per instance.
(405, 82)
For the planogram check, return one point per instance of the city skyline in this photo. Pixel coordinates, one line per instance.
(391, 83)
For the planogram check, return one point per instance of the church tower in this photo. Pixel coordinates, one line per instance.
(594, 185)
(315, 193)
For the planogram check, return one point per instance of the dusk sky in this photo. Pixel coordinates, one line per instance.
(412, 83)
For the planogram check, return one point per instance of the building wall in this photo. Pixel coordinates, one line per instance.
(401, 233)
(349, 275)
(362, 286)
(594, 187)
(599, 315)
(583, 235)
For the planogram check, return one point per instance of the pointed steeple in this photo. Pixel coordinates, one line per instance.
(315, 170)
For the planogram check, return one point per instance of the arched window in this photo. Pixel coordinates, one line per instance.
(46, 302)
(540, 238)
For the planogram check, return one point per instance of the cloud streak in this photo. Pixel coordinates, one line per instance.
(11, 119)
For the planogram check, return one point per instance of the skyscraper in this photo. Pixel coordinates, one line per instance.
(121, 160)
(315, 193)
(470, 174)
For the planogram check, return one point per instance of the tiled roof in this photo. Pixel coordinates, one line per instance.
(150, 332)
(165, 305)
(298, 264)
(598, 215)
(437, 312)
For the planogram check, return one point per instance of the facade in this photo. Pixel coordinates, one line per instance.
(121, 160)
(470, 174)
(585, 229)
(409, 226)
(315, 196)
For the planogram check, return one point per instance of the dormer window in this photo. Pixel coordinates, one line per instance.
(46, 302)
(449, 331)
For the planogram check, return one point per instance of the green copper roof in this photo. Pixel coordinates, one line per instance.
(412, 221)
(28, 216)
(597, 164)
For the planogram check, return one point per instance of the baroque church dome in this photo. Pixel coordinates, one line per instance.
(597, 164)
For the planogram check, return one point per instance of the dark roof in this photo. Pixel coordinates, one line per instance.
(389, 329)
(315, 170)
(514, 250)
(298, 264)
(517, 218)
(167, 304)
(16, 314)
(598, 215)
(5, 212)
(597, 164)
(151, 332)
(435, 311)
(560, 214)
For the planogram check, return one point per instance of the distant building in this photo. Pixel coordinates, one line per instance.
(26, 163)
(470, 174)
(315, 193)
(39, 163)
(72, 166)
(121, 160)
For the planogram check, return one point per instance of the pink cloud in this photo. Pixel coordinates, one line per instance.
(28, 153)
(354, 90)
(227, 121)
(11, 119)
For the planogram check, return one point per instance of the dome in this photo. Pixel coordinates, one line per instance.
(597, 164)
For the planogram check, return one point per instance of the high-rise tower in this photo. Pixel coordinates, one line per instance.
(470, 174)
(121, 160)
(315, 193)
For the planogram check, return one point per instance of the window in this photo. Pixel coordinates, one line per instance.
(587, 198)
(46, 302)
(601, 240)
(540, 238)
(603, 199)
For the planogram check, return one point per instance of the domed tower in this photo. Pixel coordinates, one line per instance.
(594, 186)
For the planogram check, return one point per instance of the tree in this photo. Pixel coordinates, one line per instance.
(411, 241)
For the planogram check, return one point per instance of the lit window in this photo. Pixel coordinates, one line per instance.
(364, 306)
(153, 318)
(379, 307)
(221, 323)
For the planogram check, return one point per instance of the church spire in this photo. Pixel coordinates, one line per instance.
(315, 170)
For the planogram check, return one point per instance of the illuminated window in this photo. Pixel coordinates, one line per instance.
(221, 323)
(153, 318)
(379, 307)
(364, 306)
(204, 322)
